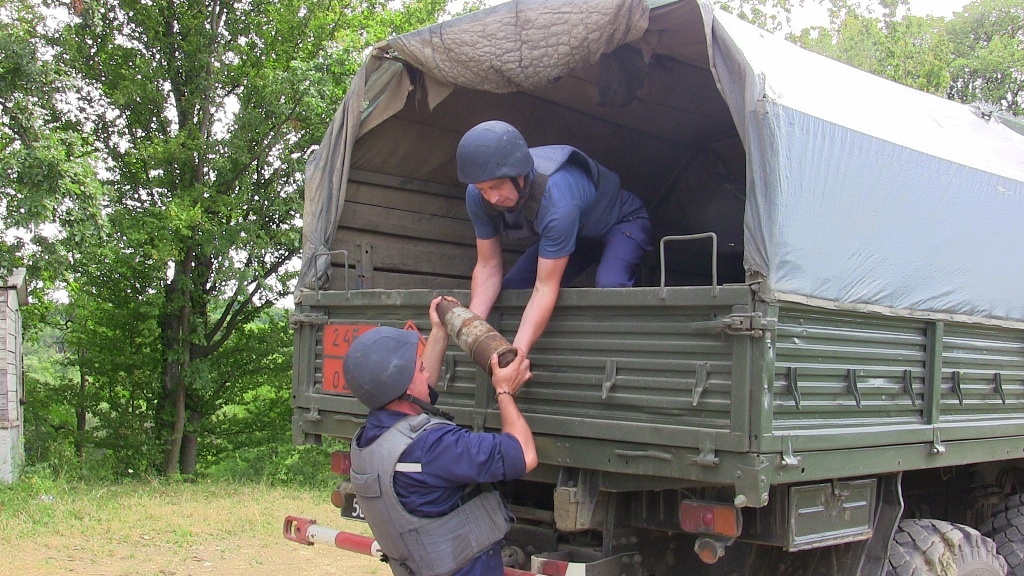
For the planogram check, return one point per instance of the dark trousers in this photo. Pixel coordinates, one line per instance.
(616, 256)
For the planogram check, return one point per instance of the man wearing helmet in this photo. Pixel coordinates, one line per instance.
(422, 481)
(571, 205)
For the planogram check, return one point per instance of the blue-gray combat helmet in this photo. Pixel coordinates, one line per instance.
(380, 364)
(492, 150)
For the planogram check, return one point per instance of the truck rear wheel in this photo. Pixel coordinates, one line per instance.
(1006, 528)
(937, 548)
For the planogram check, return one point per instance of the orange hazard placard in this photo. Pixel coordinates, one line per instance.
(337, 340)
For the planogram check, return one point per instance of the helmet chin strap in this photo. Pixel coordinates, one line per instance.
(517, 185)
(520, 191)
(428, 407)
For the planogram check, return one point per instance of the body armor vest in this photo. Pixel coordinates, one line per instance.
(547, 160)
(415, 546)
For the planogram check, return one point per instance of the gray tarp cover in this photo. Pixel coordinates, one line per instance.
(861, 193)
(512, 46)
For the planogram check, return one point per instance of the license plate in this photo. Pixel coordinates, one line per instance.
(350, 508)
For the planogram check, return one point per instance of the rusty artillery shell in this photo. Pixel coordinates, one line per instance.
(474, 335)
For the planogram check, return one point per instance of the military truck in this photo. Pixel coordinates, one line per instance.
(821, 368)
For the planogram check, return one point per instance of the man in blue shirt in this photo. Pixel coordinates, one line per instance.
(573, 208)
(421, 481)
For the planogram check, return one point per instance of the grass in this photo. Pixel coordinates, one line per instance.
(166, 528)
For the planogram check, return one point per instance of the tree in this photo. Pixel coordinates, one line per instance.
(911, 50)
(49, 193)
(251, 430)
(203, 112)
(851, 37)
(917, 53)
(52, 429)
(113, 338)
(771, 15)
(977, 55)
(987, 44)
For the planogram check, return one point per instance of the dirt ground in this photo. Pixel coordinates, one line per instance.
(175, 532)
(242, 556)
(251, 556)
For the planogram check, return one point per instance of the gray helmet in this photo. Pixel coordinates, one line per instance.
(380, 365)
(492, 150)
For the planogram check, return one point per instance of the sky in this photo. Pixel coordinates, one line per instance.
(813, 12)
(936, 7)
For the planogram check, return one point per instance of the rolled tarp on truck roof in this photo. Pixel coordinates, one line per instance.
(859, 193)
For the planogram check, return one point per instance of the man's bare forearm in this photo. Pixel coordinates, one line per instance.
(437, 343)
(535, 318)
(507, 382)
(542, 301)
(513, 422)
(484, 289)
(486, 283)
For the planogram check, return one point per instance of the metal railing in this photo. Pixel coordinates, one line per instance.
(714, 258)
(329, 253)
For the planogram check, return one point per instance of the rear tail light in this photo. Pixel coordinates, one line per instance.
(341, 463)
(710, 518)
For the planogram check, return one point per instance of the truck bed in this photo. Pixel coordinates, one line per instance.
(660, 388)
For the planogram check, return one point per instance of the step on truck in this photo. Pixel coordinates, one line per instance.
(821, 367)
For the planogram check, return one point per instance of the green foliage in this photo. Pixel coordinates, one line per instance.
(246, 438)
(86, 412)
(48, 186)
(913, 51)
(771, 15)
(278, 464)
(987, 44)
(114, 339)
(207, 111)
(165, 143)
(50, 383)
(918, 54)
(30, 501)
(977, 55)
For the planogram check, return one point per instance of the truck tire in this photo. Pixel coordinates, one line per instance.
(937, 548)
(1006, 529)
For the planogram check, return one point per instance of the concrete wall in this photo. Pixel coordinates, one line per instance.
(12, 453)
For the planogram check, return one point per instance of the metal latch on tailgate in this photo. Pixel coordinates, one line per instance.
(753, 325)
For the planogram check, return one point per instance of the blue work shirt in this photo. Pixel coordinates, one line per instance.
(564, 215)
(452, 459)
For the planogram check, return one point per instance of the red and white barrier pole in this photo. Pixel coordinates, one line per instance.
(306, 531)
